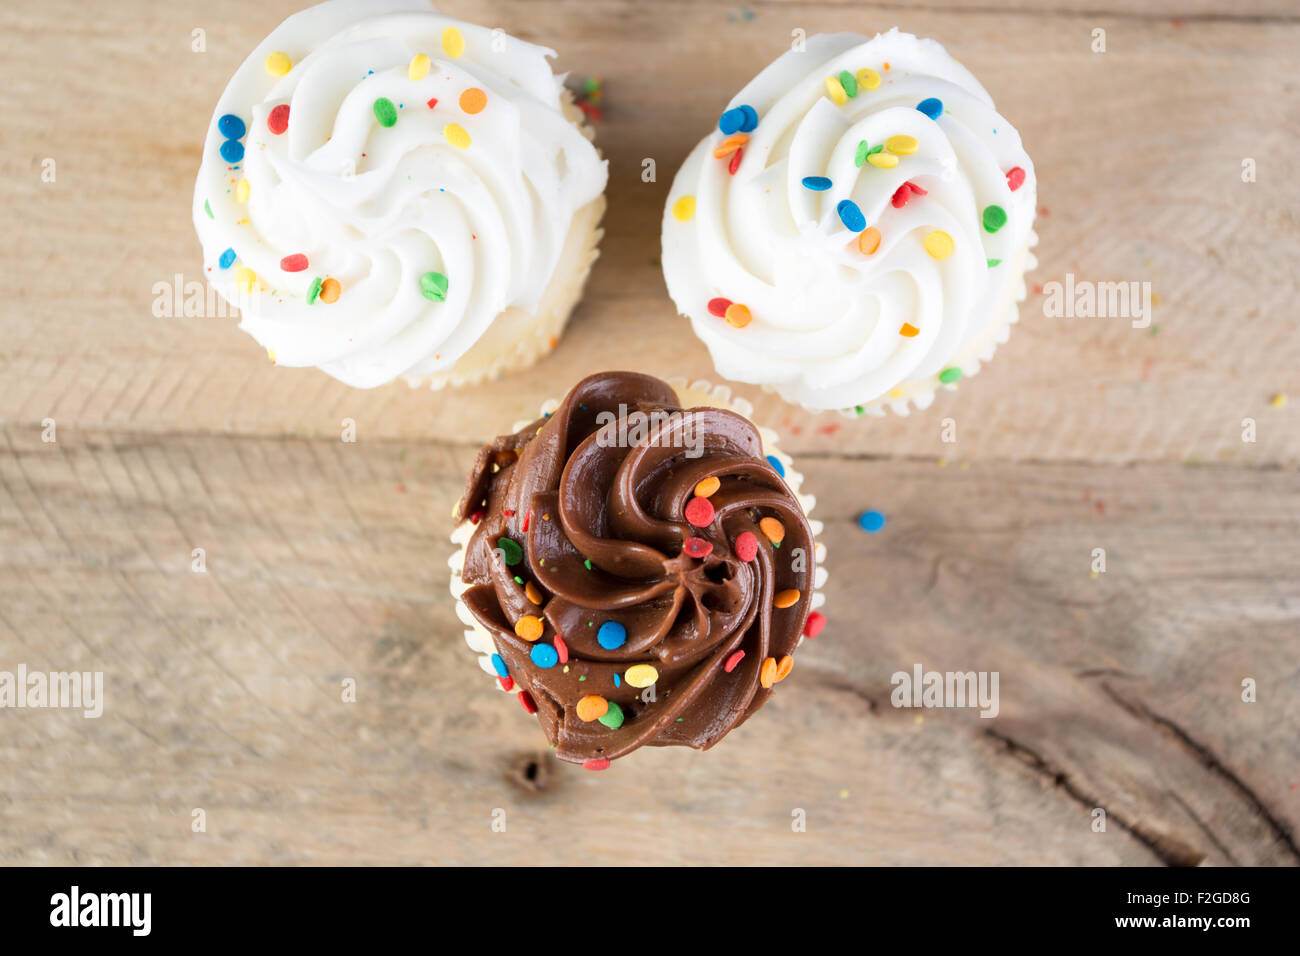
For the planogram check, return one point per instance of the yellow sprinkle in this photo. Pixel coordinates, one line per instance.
(531, 592)
(844, 794)
(419, 67)
(270, 353)
(895, 393)
(738, 315)
(707, 487)
(908, 330)
(278, 64)
(868, 240)
(883, 160)
(641, 675)
(835, 90)
(684, 209)
(245, 278)
(939, 244)
(902, 144)
(529, 627)
(1278, 400)
(456, 135)
(453, 42)
(787, 598)
(868, 79)
(241, 191)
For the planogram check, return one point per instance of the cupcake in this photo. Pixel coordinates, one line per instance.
(636, 566)
(855, 233)
(389, 192)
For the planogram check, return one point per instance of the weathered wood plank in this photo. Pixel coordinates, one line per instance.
(325, 561)
(1139, 153)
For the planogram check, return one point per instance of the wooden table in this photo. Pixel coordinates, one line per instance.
(325, 560)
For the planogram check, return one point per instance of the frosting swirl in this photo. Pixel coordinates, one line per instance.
(388, 181)
(645, 574)
(866, 206)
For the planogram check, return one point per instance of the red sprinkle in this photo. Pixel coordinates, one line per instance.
(816, 621)
(745, 546)
(1015, 178)
(699, 512)
(507, 683)
(294, 263)
(508, 512)
(432, 103)
(719, 306)
(526, 699)
(561, 649)
(527, 517)
(278, 121)
(901, 195)
(476, 516)
(735, 161)
(601, 763)
(732, 661)
(697, 547)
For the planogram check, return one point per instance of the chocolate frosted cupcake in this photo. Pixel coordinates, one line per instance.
(636, 566)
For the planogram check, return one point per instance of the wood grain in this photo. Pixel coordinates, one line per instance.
(325, 560)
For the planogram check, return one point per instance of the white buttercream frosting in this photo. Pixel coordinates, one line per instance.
(478, 190)
(834, 327)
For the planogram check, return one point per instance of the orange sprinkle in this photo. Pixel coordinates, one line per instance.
(886, 64)
(531, 592)
(783, 668)
(329, 290)
(730, 145)
(592, 707)
(529, 627)
(767, 673)
(908, 330)
(738, 315)
(707, 487)
(868, 240)
(773, 529)
(473, 100)
(786, 598)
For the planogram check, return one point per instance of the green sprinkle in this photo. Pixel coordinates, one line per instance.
(207, 207)
(582, 678)
(313, 293)
(994, 262)
(680, 719)
(949, 375)
(510, 551)
(859, 409)
(995, 217)
(613, 717)
(849, 82)
(434, 286)
(776, 544)
(518, 580)
(860, 156)
(385, 111)
(587, 564)
(875, 149)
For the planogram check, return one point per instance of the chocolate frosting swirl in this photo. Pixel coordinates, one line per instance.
(582, 521)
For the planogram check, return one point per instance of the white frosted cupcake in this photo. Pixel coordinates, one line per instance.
(389, 192)
(855, 233)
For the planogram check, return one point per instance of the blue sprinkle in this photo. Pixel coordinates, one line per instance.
(226, 259)
(611, 635)
(617, 681)
(731, 121)
(871, 521)
(231, 126)
(776, 465)
(751, 119)
(232, 150)
(544, 655)
(851, 215)
(499, 665)
(931, 107)
(818, 184)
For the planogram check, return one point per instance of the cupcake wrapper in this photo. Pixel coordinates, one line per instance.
(691, 395)
(516, 339)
